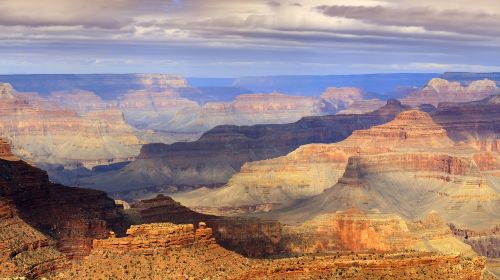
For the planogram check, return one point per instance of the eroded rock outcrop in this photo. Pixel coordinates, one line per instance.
(248, 236)
(355, 230)
(440, 90)
(148, 238)
(336, 99)
(70, 216)
(45, 132)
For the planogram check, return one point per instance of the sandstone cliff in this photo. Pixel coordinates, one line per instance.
(167, 251)
(337, 99)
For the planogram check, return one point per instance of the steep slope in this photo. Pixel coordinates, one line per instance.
(45, 132)
(221, 152)
(70, 216)
(440, 90)
(167, 251)
(355, 230)
(470, 121)
(408, 166)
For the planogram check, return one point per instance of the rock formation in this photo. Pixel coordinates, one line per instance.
(25, 251)
(336, 99)
(408, 167)
(470, 121)
(160, 237)
(248, 236)
(362, 106)
(440, 90)
(70, 216)
(142, 254)
(44, 132)
(355, 230)
(221, 152)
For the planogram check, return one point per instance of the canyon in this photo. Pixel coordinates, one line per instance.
(87, 235)
(44, 132)
(220, 152)
(392, 192)
(68, 127)
(408, 167)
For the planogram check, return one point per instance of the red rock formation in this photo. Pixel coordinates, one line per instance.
(148, 238)
(250, 237)
(25, 251)
(439, 90)
(70, 216)
(6, 151)
(409, 129)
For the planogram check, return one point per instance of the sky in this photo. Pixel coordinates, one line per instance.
(230, 38)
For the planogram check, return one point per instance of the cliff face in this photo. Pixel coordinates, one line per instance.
(70, 216)
(355, 230)
(167, 251)
(440, 90)
(25, 251)
(470, 121)
(250, 237)
(44, 132)
(160, 237)
(408, 166)
(336, 99)
(221, 152)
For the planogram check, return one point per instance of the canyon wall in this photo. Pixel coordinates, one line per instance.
(221, 152)
(45, 132)
(439, 90)
(70, 216)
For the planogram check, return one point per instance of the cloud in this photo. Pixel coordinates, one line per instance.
(92, 13)
(432, 19)
(265, 32)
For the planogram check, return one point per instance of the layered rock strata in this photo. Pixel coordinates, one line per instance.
(148, 238)
(250, 237)
(440, 90)
(72, 217)
(45, 132)
(355, 230)
(222, 151)
(408, 166)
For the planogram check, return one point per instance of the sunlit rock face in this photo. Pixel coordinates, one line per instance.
(42, 131)
(356, 230)
(222, 151)
(440, 90)
(408, 166)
